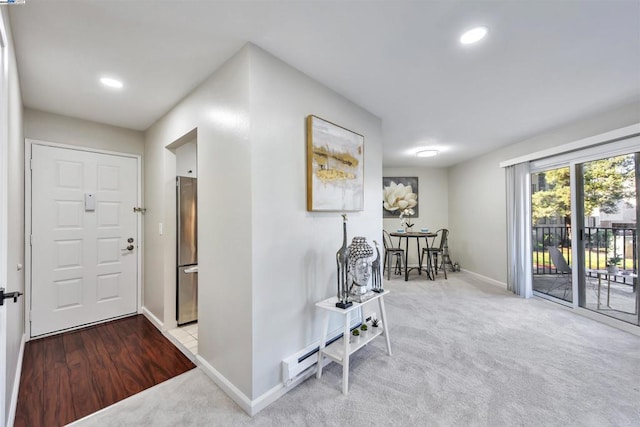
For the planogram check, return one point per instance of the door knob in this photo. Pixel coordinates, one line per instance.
(128, 248)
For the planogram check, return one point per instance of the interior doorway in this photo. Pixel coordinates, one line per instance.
(184, 333)
(4, 176)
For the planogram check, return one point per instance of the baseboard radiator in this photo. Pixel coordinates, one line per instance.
(299, 363)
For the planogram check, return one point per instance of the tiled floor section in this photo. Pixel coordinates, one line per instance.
(188, 336)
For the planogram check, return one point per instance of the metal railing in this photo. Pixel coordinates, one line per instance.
(601, 243)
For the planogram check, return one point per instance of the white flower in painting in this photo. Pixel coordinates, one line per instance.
(398, 197)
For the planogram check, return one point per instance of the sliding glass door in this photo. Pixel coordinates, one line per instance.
(608, 196)
(551, 233)
(584, 210)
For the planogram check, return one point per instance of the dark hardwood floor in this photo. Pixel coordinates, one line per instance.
(69, 376)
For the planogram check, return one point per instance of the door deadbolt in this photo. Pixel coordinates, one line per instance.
(130, 240)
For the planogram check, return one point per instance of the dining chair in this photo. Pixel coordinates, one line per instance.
(432, 251)
(389, 253)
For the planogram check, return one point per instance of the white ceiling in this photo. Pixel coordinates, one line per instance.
(543, 64)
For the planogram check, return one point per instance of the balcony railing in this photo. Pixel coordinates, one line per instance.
(600, 244)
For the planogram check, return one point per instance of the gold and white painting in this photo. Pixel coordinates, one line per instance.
(335, 167)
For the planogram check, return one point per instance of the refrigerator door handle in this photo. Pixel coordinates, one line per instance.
(191, 270)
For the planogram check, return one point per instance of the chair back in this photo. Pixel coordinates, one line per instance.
(558, 260)
(444, 238)
(386, 239)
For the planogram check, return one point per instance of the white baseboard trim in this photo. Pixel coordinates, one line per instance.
(152, 318)
(487, 279)
(16, 383)
(221, 381)
(252, 407)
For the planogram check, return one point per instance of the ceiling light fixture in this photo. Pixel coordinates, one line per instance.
(473, 35)
(109, 82)
(427, 153)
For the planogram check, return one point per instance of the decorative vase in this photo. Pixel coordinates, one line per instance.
(342, 260)
(612, 269)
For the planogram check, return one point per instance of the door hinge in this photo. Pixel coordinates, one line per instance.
(140, 210)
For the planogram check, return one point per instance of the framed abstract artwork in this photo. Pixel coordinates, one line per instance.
(399, 193)
(335, 167)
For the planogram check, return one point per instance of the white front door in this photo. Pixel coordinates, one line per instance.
(84, 238)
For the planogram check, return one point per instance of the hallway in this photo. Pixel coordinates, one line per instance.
(69, 376)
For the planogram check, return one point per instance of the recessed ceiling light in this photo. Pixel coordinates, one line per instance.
(473, 35)
(427, 153)
(109, 82)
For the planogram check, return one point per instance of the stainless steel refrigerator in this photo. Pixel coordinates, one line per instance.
(187, 292)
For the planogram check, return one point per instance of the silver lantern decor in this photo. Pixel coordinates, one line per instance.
(342, 257)
(376, 276)
(359, 269)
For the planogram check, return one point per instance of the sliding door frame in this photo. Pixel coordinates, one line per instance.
(575, 159)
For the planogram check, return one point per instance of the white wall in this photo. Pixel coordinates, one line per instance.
(294, 250)
(477, 201)
(15, 220)
(264, 260)
(187, 159)
(433, 201)
(219, 110)
(68, 130)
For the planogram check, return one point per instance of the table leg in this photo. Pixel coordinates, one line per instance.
(419, 258)
(323, 342)
(385, 325)
(608, 289)
(345, 353)
(406, 258)
(599, 283)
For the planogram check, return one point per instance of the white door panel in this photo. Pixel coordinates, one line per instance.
(82, 218)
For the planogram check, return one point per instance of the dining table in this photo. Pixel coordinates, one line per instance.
(417, 235)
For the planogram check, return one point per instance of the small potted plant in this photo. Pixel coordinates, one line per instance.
(612, 264)
(374, 322)
(364, 327)
(355, 334)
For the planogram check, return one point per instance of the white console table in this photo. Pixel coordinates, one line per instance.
(340, 350)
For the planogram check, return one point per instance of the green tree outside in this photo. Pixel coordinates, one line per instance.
(606, 183)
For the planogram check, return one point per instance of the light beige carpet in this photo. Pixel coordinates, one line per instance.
(466, 353)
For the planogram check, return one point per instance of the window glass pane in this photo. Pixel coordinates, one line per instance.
(551, 233)
(610, 237)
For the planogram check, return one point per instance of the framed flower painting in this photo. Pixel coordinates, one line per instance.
(399, 194)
